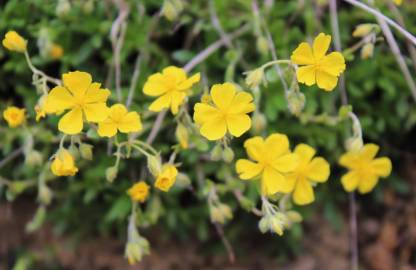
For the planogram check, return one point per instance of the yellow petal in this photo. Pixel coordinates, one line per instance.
(223, 94)
(214, 130)
(177, 98)
(326, 81)
(204, 113)
(321, 45)
(303, 193)
(276, 145)
(289, 184)
(185, 85)
(306, 75)
(178, 74)
(94, 94)
(318, 170)
(369, 151)
(58, 99)
(77, 82)
(286, 163)
(348, 160)
(366, 185)
(247, 169)
(382, 166)
(107, 128)
(155, 85)
(304, 152)
(238, 124)
(118, 112)
(303, 55)
(71, 123)
(350, 181)
(96, 112)
(333, 63)
(161, 103)
(241, 103)
(271, 181)
(255, 147)
(130, 123)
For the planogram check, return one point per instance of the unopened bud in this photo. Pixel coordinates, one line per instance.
(259, 122)
(367, 51)
(171, 9)
(154, 164)
(111, 173)
(44, 194)
(354, 144)
(296, 102)
(228, 154)
(363, 29)
(182, 136)
(33, 158)
(86, 151)
(216, 152)
(63, 7)
(255, 77)
(262, 45)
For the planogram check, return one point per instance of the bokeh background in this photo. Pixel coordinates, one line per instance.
(85, 226)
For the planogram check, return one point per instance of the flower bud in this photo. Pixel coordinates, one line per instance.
(264, 224)
(133, 253)
(14, 42)
(367, 51)
(154, 164)
(86, 151)
(363, 29)
(294, 217)
(33, 158)
(37, 220)
(111, 173)
(182, 180)
(296, 102)
(63, 8)
(254, 78)
(172, 8)
(182, 136)
(259, 122)
(228, 154)
(262, 45)
(44, 194)
(216, 152)
(354, 144)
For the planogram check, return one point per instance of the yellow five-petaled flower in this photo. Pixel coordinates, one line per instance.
(228, 111)
(272, 160)
(14, 116)
(309, 170)
(139, 192)
(317, 67)
(14, 42)
(171, 86)
(364, 168)
(119, 119)
(82, 97)
(63, 164)
(166, 178)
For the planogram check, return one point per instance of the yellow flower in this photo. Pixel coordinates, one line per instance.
(166, 178)
(316, 66)
(309, 170)
(398, 2)
(364, 170)
(14, 42)
(82, 97)
(56, 51)
(14, 116)
(171, 86)
(273, 160)
(63, 164)
(228, 112)
(119, 119)
(139, 192)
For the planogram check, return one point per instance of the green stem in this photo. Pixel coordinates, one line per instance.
(39, 72)
(276, 62)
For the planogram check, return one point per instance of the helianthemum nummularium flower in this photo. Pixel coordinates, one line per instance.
(119, 119)
(272, 161)
(166, 178)
(310, 170)
(364, 168)
(82, 97)
(316, 66)
(228, 111)
(139, 192)
(171, 86)
(63, 164)
(14, 116)
(14, 42)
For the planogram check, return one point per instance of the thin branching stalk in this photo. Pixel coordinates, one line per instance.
(11, 156)
(217, 25)
(134, 80)
(377, 13)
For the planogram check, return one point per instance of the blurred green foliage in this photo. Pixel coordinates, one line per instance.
(87, 205)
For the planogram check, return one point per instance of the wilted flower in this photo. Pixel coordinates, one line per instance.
(63, 164)
(167, 177)
(14, 42)
(14, 116)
